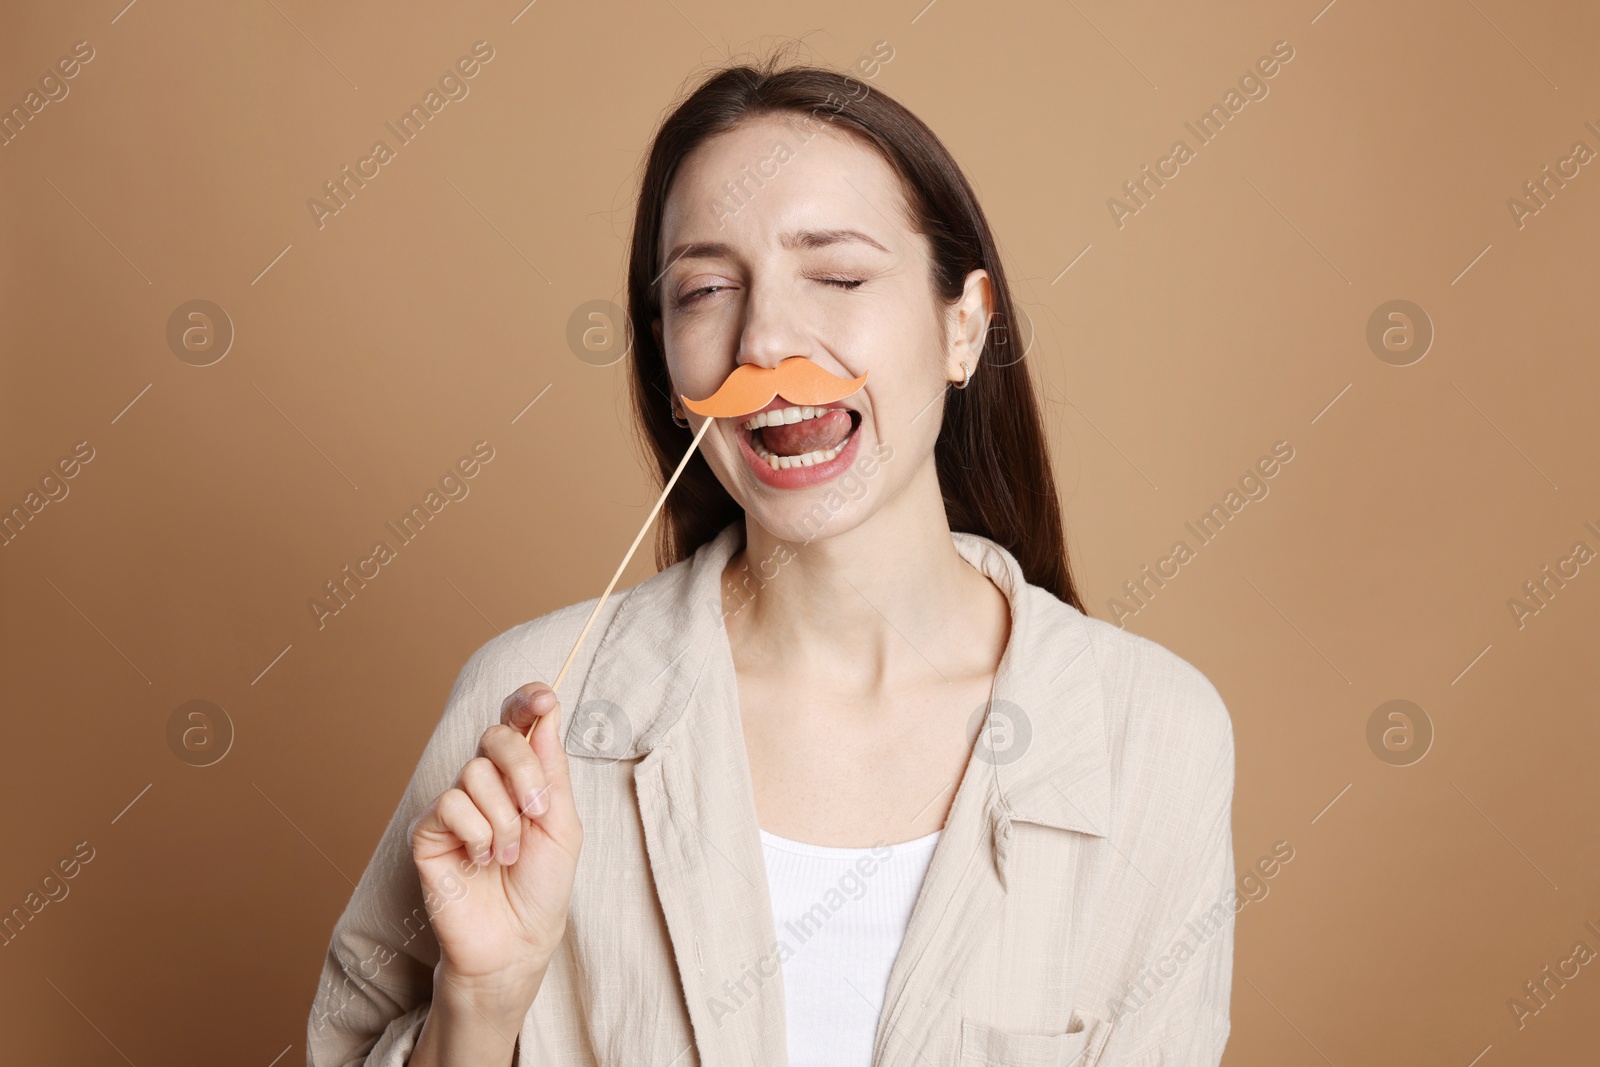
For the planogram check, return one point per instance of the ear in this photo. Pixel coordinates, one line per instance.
(967, 325)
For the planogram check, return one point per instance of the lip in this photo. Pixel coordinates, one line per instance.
(779, 402)
(797, 477)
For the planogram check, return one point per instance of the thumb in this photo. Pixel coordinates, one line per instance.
(526, 705)
(534, 711)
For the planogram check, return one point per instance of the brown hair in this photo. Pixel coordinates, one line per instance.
(992, 461)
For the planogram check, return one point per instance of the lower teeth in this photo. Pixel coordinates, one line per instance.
(805, 459)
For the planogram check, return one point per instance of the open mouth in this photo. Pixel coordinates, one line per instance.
(800, 436)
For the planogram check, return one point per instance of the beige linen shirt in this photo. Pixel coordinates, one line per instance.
(1078, 910)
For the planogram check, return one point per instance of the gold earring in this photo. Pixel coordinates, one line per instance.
(966, 375)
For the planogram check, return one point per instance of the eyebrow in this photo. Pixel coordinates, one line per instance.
(794, 239)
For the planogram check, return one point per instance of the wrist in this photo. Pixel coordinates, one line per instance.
(503, 999)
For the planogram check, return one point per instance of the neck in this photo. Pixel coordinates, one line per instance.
(868, 609)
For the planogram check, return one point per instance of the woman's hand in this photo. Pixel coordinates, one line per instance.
(510, 812)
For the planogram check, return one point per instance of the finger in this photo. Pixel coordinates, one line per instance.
(561, 815)
(453, 822)
(534, 712)
(517, 763)
(482, 781)
(526, 705)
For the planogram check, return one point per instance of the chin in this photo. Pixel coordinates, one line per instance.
(824, 509)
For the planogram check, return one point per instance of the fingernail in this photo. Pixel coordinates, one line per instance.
(511, 853)
(536, 803)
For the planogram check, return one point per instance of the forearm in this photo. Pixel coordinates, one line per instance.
(471, 1026)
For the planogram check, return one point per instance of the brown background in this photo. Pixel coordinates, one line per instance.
(1228, 314)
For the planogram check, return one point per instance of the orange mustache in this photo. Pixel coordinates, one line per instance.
(750, 388)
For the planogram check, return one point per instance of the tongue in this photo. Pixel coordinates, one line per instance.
(808, 435)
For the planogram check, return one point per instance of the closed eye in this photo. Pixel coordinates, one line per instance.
(841, 283)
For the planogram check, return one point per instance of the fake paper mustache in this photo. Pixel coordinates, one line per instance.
(750, 388)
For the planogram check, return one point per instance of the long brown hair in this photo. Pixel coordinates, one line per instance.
(992, 461)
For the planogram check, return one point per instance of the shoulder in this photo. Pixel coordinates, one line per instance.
(1152, 688)
(1165, 723)
(534, 650)
(530, 651)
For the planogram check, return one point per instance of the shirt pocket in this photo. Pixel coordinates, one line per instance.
(983, 1045)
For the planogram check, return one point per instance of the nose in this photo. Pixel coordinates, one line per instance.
(774, 327)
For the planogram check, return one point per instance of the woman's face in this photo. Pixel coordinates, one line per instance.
(812, 256)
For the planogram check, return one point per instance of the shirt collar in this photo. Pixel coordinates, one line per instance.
(1046, 738)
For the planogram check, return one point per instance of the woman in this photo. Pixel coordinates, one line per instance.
(854, 779)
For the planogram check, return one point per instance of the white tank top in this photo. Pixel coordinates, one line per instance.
(839, 915)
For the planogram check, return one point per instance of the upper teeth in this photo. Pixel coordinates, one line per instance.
(783, 416)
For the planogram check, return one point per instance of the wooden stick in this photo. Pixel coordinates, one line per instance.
(624, 564)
